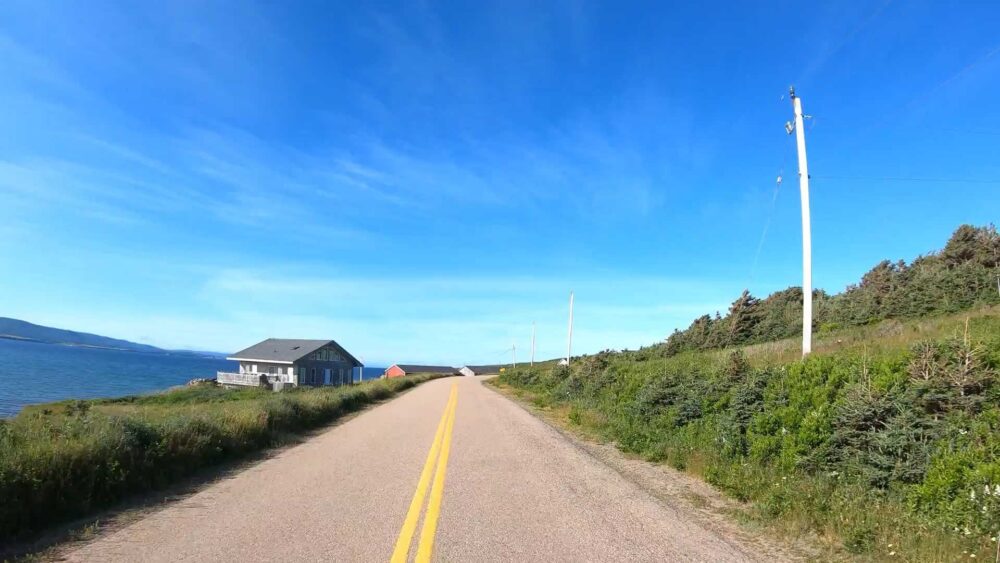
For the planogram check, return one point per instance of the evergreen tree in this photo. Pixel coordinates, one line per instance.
(963, 275)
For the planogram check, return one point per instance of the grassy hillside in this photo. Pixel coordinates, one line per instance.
(963, 275)
(884, 443)
(64, 460)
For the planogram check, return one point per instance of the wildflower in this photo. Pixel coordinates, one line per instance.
(972, 495)
(963, 431)
(972, 555)
(890, 545)
(996, 490)
(891, 553)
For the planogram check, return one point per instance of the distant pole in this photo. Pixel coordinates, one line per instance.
(569, 339)
(533, 334)
(800, 138)
(513, 353)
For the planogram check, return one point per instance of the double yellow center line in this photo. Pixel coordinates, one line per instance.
(440, 449)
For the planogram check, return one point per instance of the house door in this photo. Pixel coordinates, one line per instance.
(326, 376)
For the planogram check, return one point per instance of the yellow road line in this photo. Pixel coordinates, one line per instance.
(405, 538)
(434, 506)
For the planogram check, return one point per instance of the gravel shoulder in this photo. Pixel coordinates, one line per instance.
(679, 492)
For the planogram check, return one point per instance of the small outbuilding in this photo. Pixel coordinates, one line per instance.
(400, 370)
(480, 370)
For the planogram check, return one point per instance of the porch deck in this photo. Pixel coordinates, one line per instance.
(250, 379)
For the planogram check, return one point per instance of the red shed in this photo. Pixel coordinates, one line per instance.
(399, 370)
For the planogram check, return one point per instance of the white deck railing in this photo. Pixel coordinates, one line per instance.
(249, 379)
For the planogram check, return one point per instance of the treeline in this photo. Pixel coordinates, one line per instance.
(961, 276)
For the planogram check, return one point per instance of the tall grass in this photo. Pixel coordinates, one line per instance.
(884, 443)
(64, 460)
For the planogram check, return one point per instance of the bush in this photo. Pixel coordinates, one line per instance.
(959, 277)
(68, 459)
(873, 445)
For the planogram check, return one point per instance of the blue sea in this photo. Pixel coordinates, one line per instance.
(33, 372)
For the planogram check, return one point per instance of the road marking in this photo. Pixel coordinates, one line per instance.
(405, 538)
(434, 506)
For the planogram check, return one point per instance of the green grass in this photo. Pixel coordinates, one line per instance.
(65, 460)
(889, 336)
(883, 445)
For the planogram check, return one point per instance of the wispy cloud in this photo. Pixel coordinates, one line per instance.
(229, 223)
(457, 315)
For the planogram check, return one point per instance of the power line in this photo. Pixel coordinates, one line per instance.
(767, 225)
(962, 131)
(904, 179)
(787, 145)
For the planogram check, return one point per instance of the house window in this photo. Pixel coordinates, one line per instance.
(313, 378)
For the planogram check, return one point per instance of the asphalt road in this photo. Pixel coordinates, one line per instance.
(513, 489)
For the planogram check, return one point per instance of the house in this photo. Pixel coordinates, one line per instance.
(480, 370)
(399, 370)
(292, 362)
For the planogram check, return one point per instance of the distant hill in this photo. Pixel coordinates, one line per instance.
(15, 329)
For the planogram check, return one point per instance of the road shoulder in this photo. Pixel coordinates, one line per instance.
(674, 489)
(59, 542)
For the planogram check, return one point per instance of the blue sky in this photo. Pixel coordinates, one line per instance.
(421, 181)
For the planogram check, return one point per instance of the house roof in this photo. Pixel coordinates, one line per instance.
(287, 350)
(485, 370)
(413, 368)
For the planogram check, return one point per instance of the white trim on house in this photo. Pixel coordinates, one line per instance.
(235, 359)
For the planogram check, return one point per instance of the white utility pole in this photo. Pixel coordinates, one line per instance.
(800, 138)
(569, 339)
(513, 354)
(533, 335)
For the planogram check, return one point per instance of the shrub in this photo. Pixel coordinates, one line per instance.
(871, 444)
(66, 460)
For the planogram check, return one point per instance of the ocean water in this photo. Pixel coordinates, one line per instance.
(33, 372)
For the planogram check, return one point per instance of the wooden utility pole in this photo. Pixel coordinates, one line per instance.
(800, 138)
